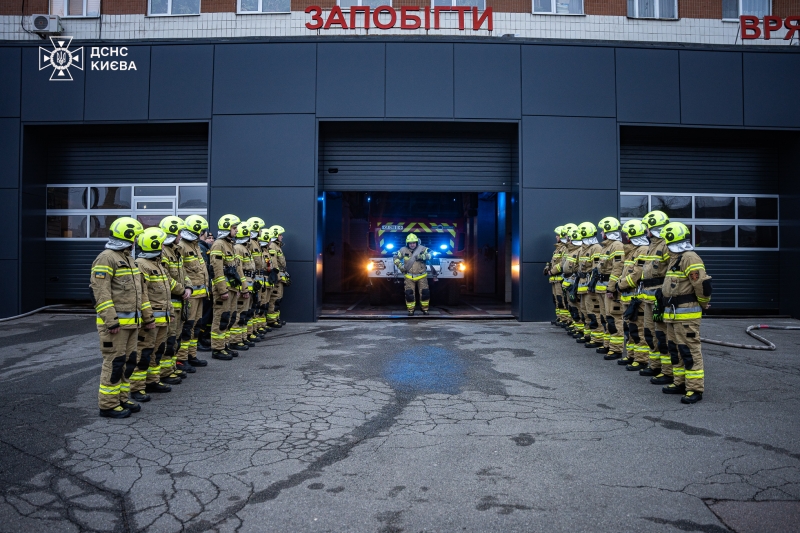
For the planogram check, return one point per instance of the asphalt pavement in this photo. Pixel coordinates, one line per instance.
(400, 426)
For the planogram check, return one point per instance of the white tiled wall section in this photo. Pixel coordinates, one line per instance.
(221, 25)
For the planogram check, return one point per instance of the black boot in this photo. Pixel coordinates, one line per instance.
(240, 346)
(139, 396)
(410, 312)
(649, 371)
(133, 407)
(625, 361)
(661, 379)
(424, 311)
(592, 345)
(157, 387)
(116, 412)
(222, 355)
(674, 389)
(194, 361)
(602, 350)
(204, 345)
(634, 366)
(172, 379)
(612, 356)
(692, 397)
(231, 351)
(184, 366)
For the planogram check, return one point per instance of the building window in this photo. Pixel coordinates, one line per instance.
(160, 8)
(480, 4)
(558, 7)
(75, 8)
(86, 211)
(716, 221)
(247, 7)
(653, 9)
(733, 9)
(347, 4)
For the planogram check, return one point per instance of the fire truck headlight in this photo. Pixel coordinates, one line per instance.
(390, 246)
(462, 267)
(443, 247)
(369, 266)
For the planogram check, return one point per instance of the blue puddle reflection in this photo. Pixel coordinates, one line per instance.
(426, 369)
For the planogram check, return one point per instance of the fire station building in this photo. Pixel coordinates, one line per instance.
(558, 110)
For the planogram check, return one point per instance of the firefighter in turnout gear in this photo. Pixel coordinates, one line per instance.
(117, 292)
(552, 269)
(635, 243)
(156, 315)
(258, 304)
(588, 272)
(195, 268)
(653, 273)
(244, 325)
(279, 276)
(573, 320)
(410, 260)
(266, 289)
(225, 286)
(686, 292)
(172, 259)
(612, 260)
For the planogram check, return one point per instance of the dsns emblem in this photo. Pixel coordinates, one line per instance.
(60, 58)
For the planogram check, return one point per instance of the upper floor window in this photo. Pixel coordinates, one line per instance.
(265, 6)
(733, 9)
(653, 9)
(347, 4)
(716, 221)
(558, 7)
(480, 4)
(87, 211)
(75, 8)
(174, 7)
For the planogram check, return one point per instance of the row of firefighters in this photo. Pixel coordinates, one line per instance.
(638, 287)
(163, 293)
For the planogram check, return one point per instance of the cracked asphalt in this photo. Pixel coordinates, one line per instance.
(400, 426)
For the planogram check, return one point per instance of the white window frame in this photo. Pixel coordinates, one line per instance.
(61, 8)
(454, 3)
(239, 10)
(635, 14)
(553, 10)
(361, 3)
(133, 211)
(739, 11)
(169, 12)
(735, 222)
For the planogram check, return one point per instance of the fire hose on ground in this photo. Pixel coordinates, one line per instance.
(769, 345)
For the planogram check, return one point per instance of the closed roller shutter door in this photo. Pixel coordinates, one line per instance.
(413, 157)
(738, 280)
(119, 154)
(698, 161)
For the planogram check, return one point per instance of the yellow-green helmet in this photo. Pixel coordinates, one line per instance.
(609, 224)
(125, 228)
(675, 232)
(276, 230)
(634, 228)
(654, 219)
(243, 230)
(412, 237)
(567, 229)
(151, 239)
(226, 222)
(586, 230)
(255, 223)
(558, 230)
(171, 225)
(264, 235)
(196, 224)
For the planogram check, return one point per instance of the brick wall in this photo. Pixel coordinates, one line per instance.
(510, 6)
(218, 6)
(123, 7)
(301, 5)
(700, 9)
(617, 8)
(786, 8)
(12, 7)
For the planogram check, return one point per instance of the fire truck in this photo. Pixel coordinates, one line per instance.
(446, 242)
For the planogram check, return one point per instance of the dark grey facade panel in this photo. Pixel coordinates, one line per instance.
(537, 294)
(46, 101)
(487, 81)
(411, 157)
(707, 160)
(128, 153)
(291, 207)
(351, 80)
(298, 299)
(180, 82)
(9, 218)
(544, 209)
(10, 59)
(419, 80)
(738, 279)
(10, 302)
(568, 81)
(67, 268)
(771, 84)
(262, 150)
(575, 152)
(9, 152)
(790, 228)
(119, 94)
(647, 86)
(711, 88)
(266, 78)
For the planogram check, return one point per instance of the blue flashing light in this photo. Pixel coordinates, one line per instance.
(443, 247)
(390, 246)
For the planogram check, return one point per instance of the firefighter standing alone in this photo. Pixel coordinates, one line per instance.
(410, 260)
